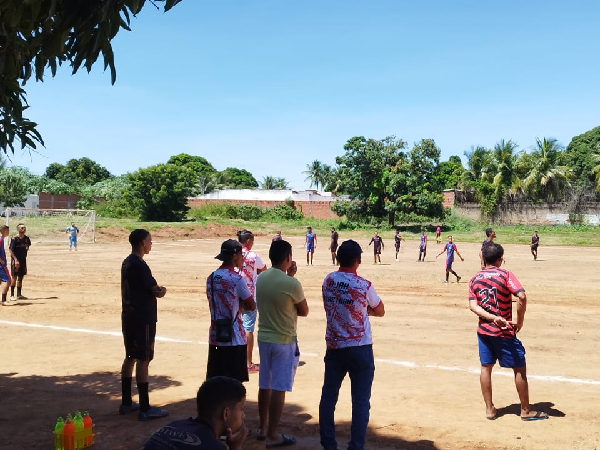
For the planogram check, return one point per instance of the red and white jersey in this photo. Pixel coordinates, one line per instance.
(229, 290)
(346, 297)
(252, 263)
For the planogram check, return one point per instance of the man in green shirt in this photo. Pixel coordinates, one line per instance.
(280, 300)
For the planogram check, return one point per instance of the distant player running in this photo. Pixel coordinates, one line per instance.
(377, 247)
(4, 274)
(423, 246)
(311, 244)
(450, 248)
(397, 239)
(333, 245)
(535, 241)
(19, 246)
(490, 297)
(72, 231)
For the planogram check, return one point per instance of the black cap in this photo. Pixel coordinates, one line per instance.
(229, 248)
(349, 250)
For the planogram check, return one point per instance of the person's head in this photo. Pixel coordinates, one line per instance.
(450, 238)
(535, 232)
(278, 233)
(280, 252)
(72, 224)
(231, 253)
(422, 231)
(21, 228)
(492, 254)
(246, 238)
(490, 232)
(140, 241)
(397, 231)
(309, 229)
(375, 234)
(222, 399)
(4, 229)
(332, 229)
(349, 253)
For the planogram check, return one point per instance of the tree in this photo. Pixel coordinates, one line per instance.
(504, 162)
(276, 183)
(160, 192)
(316, 174)
(448, 174)
(579, 155)
(82, 171)
(546, 178)
(12, 190)
(198, 164)
(40, 34)
(234, 178)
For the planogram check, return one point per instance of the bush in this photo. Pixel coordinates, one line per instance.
(116, 209)
(284, 212)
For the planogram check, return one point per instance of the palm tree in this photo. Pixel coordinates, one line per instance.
(277, 183)
(315, 173)
(281, 184)
(478, 165)
(505, 165)
(547, 179)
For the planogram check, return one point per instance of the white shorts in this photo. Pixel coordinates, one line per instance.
(278, 364)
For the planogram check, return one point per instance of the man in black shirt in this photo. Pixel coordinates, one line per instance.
(333, 245)
(139, 291)
(19, 246)
(535, 242)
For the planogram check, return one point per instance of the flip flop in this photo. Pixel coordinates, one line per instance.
(286, 442)
(539, 415)
(494, 417)
(260, 436)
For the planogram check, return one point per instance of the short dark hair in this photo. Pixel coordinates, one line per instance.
(348, 253)
(489, 231)
(244, 235)
(216, 393)
(137, 236)
(279, 251)
(492, 253)
(4, 228)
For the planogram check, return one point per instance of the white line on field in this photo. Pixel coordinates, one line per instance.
(408, 364)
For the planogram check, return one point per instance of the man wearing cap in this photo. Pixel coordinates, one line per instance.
(228, 295)
(349, 299)
(280, 301)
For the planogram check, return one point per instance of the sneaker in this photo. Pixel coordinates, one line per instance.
(21, 297)
(152, 413)
(445, 281)
(12, 298)
(458, 279)
(124, 409)
(253, 368)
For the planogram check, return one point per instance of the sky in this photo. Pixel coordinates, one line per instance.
(270, 86)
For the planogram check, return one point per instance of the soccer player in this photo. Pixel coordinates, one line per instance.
(277, 236)
(397, 239)
(4, 274)
(438, 234)
(253, 265)
(450, 248)
(535, 241)
(348, 300)
(377, 247)
(227, 294)
(423, 246)
(311, 244)
(280, 300)
(220, 403)
(139, 291)
(491, 234)
(72, 231)
(19, 246)
(333, 245)
(490, 292)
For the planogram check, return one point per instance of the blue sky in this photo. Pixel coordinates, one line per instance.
(269, 86)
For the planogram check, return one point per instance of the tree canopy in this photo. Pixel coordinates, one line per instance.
(78, 171)
(37, 35)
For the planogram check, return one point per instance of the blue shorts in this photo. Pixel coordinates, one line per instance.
(310, 249)
(248, 320)
(422, 248)
(449, 265)
(4, 275)
(508, 351)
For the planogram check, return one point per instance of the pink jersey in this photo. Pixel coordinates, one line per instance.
(346, 297)
(252, 263)
(229, 290)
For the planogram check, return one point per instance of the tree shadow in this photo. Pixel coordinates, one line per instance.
(30, 405)
(515, 409)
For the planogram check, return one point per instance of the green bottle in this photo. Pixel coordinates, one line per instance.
(58, 434)
(78, 422)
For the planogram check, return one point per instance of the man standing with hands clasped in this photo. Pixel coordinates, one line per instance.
(349, 299)
(490, 294)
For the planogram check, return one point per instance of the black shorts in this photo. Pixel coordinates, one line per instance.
(20, 271)
(228, 361)
(139, 339)
(334, 248)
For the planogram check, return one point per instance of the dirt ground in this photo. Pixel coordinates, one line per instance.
(62, 348)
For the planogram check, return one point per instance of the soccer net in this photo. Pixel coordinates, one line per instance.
(49, 225)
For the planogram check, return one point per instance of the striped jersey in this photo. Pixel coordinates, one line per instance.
(229, 290)
(346, 297)
(493, 289)
(252, 262)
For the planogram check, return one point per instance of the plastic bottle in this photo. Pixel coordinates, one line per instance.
(79, 427)
(88, 424)
(69, 434)
(58, 434)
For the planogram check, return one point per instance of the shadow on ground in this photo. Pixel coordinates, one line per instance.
(29, 407)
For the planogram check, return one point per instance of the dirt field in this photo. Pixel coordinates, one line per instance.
(62, 348)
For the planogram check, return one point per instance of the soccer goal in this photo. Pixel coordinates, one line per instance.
(49, 225)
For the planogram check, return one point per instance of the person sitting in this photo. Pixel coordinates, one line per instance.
(220, 403)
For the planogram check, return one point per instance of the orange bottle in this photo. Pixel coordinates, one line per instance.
(69, 435)
(87, 423)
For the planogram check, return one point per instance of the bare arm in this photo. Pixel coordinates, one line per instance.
(521, 308)
(459, 255)
(378, 311)
(302, 308)
(159, 291)
(249, 304)
(488, 316)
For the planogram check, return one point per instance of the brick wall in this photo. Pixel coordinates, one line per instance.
(317, 210)
(58, 201)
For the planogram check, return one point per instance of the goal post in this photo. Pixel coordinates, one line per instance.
(49, 225)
